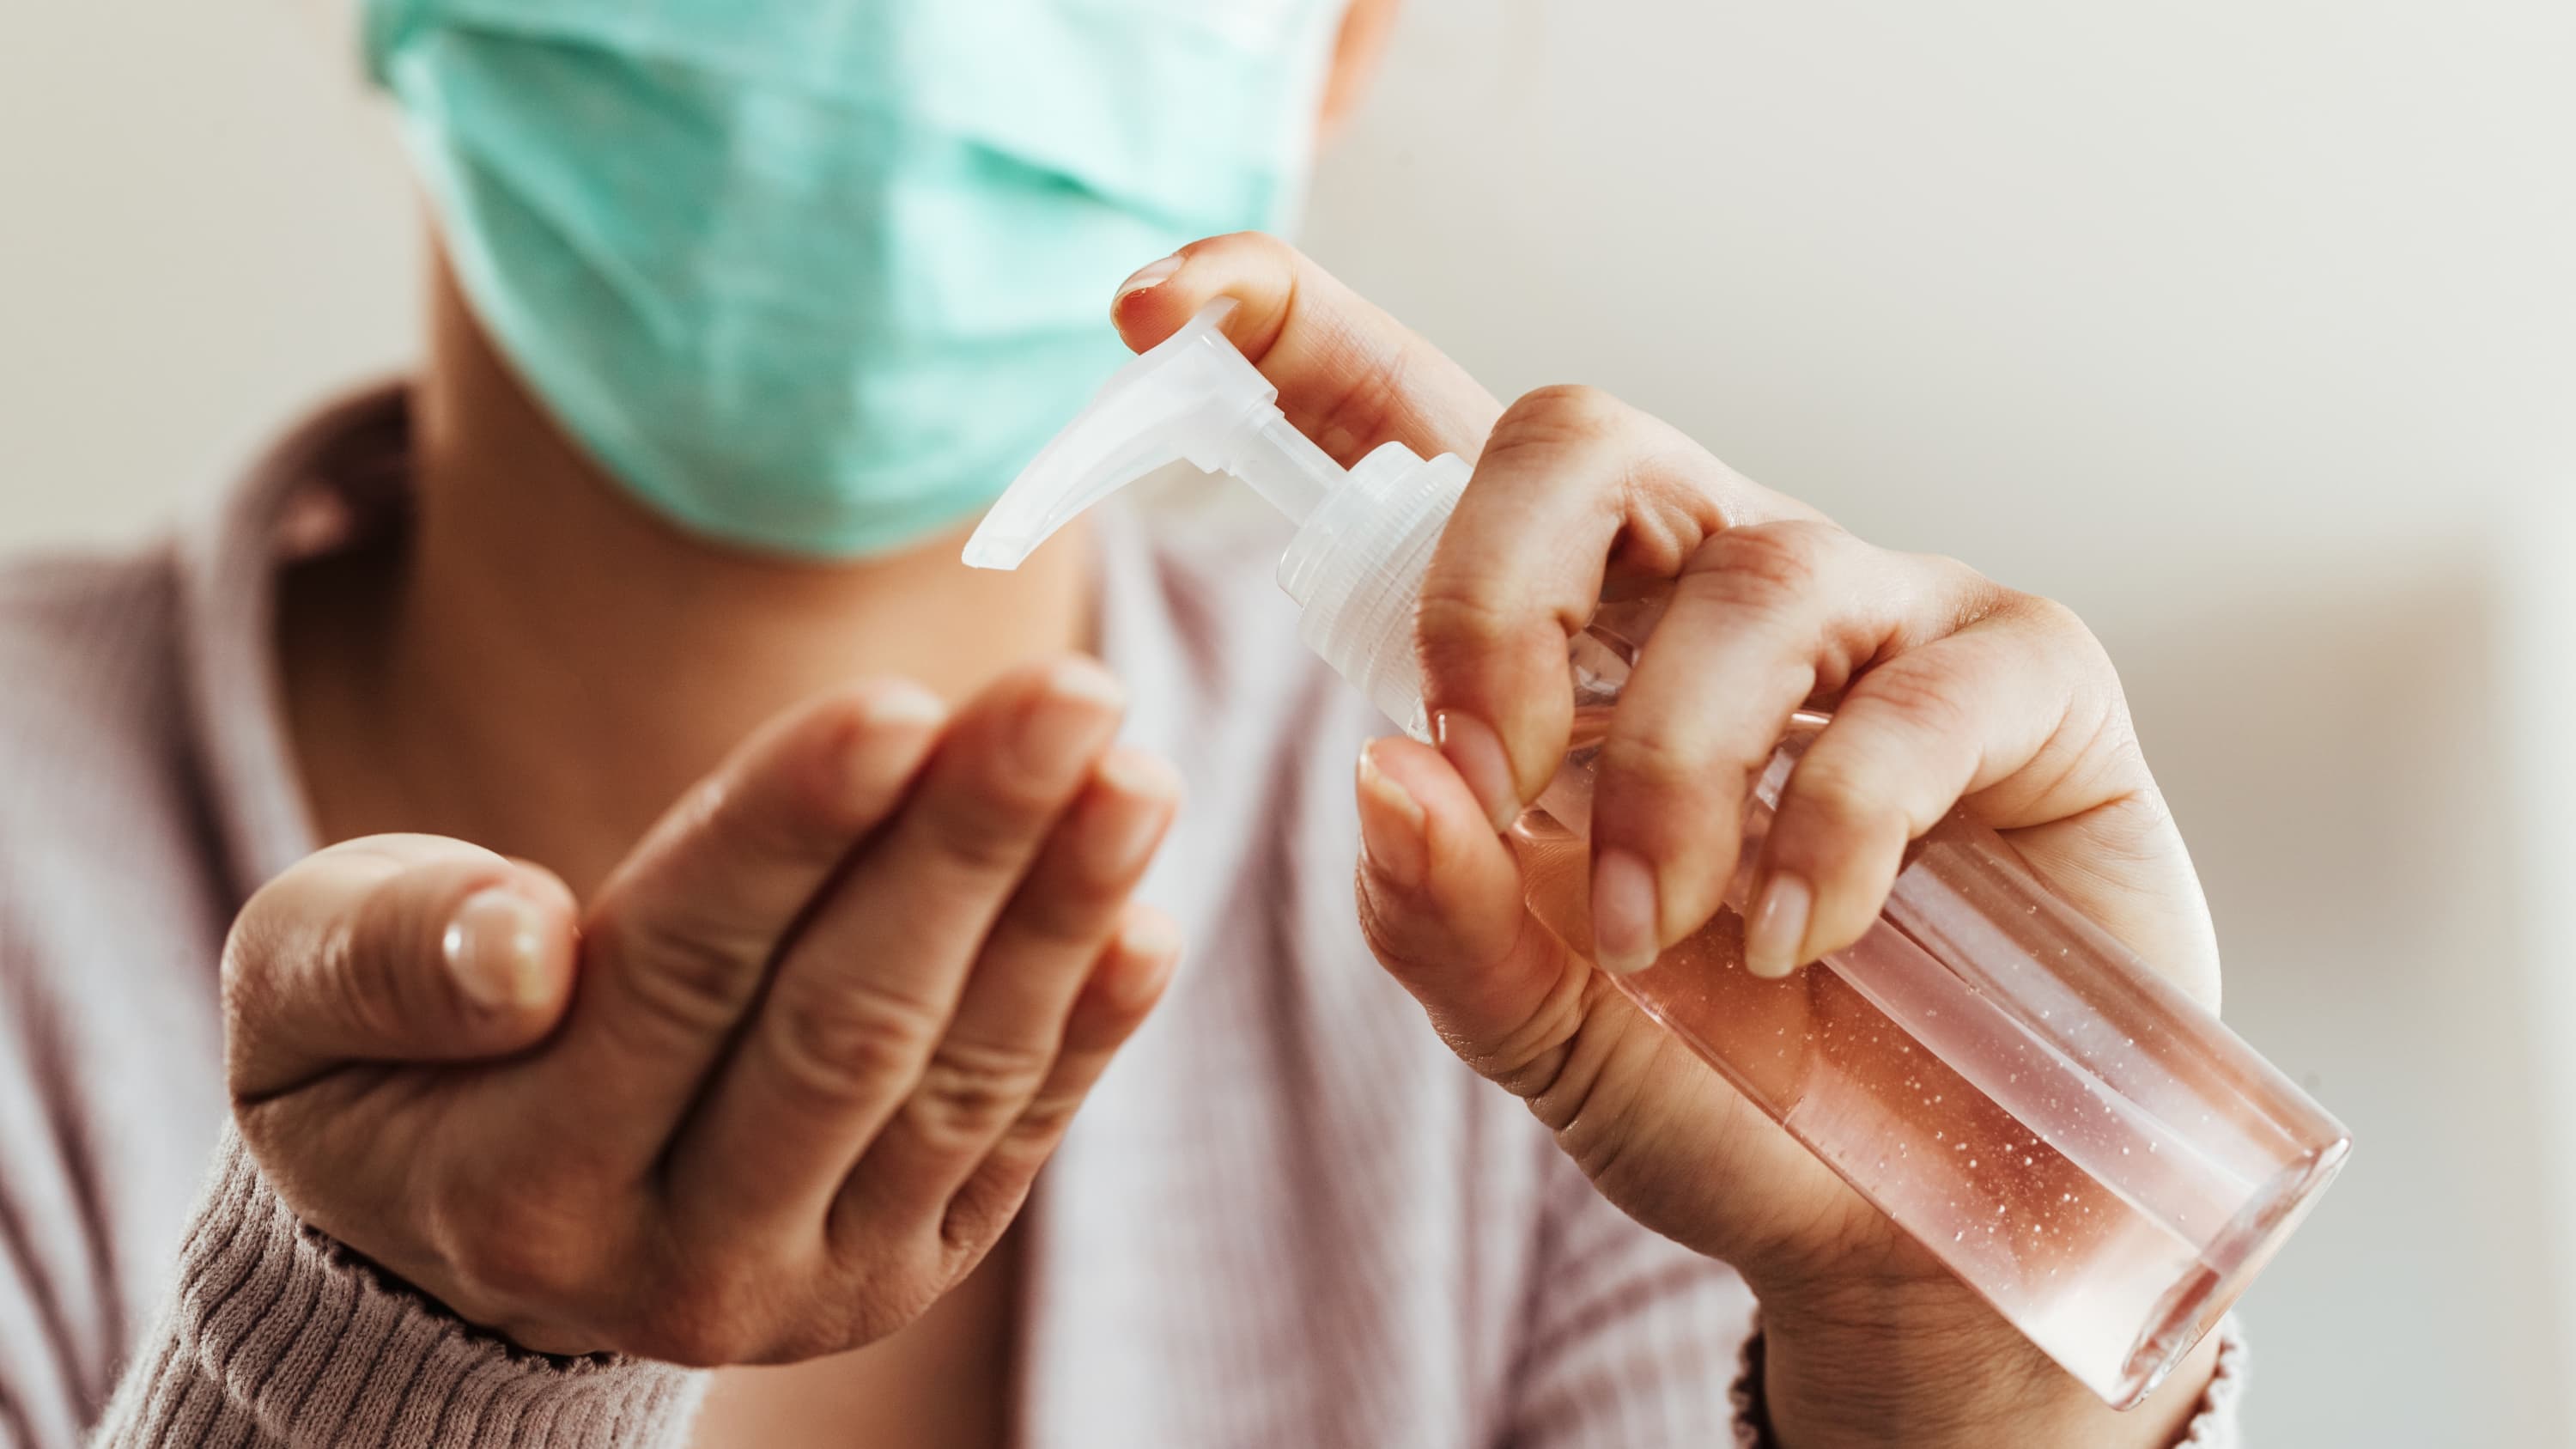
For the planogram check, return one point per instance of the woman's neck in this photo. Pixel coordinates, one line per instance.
(550, 665)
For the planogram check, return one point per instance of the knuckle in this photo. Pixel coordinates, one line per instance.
(2092, 756)
(1655, 766)
(1260, 253)
(1463, 611)
(362, 957)
(989, 834)
(1532, 1059)
(1915, 700)
(1062, 914)
(975, 1219)
(1768, 565)
(1977, 596)
(2049, 615)
(1579, 1087)
(897, 1274)
(1254, 241)
(1558, 413)
(2060, 623)
(2037, 614)
(1847, 825)
(362, 971)
(1368, 397)
(853, 1050)
(682, 972)
(1460, 622)
(1046, 1116)
(1834, 793)
(971, 1090)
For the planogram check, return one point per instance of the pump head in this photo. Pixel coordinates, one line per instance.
(1364, 537)
(1191, 397)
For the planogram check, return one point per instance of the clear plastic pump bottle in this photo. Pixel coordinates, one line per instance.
(2076, 1139)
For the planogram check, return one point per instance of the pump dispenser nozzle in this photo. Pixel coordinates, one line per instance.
(1192, 397)
(1364, 535)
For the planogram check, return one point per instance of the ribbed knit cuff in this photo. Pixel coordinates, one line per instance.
(2214, 1427)
(275, 1336)
(1752, 1421)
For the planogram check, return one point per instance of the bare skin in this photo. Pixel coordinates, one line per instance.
(739, 1033)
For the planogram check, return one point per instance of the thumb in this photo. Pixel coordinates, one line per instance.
(393, 948)
(1441, 902)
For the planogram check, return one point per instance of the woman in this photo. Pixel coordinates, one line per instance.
(669, 910)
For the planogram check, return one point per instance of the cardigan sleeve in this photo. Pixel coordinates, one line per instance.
(274, 1336)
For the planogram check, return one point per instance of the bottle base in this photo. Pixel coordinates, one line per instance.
(2195, 1305)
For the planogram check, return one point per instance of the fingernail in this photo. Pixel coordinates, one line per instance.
(900, 702)
(1393, 828)
(1623, 912)
(891, 711)
(1077, 676)
(1151, 944)
(1778, 926)
(494, 947)
(1075, 709)
(1476, 753)
(1150, 275)
(1141, 783)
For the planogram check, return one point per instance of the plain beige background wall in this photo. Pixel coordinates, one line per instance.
(2246, 327)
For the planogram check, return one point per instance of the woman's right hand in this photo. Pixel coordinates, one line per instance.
(777, 1088)
(1946, 690)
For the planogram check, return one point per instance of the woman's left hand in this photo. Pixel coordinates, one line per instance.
(1945, 688)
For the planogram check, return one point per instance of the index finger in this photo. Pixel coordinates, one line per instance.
(1577, 493)
(680, 938)
(1350, 377)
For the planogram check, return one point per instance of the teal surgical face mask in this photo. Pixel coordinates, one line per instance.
(818, 276)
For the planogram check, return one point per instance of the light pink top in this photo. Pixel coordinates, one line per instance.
(1287, 1217)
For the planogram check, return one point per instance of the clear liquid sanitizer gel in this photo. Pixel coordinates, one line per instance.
(2076, 1139)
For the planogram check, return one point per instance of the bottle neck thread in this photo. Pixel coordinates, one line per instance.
(1356, 567)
